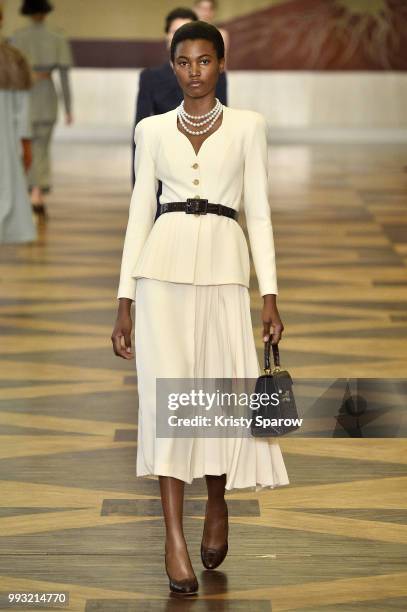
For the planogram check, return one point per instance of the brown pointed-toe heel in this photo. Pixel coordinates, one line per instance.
(213, 557)
(186, 586)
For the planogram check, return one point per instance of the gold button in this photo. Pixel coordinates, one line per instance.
(195, 182)
(195, 166)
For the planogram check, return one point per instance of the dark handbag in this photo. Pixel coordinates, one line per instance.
(274, 415)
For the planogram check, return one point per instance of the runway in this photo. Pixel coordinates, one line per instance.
(73, 516)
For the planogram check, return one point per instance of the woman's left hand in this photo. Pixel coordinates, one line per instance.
(271, 318)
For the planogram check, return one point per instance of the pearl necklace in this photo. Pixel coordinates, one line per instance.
(185, 114)
(210, 117)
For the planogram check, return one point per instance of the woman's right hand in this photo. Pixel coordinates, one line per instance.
(121, 336)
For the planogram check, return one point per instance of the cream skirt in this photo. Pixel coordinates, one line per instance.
(186, 331)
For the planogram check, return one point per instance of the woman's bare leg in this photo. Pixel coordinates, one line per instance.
(216, 508)
(172, 498)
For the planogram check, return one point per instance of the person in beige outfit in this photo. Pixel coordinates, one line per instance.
(188, 273)
(46, 51)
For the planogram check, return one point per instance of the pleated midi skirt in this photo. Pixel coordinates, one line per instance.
(185, 331)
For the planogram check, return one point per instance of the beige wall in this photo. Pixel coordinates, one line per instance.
(297, 105)
(298, 101)
(120, 18)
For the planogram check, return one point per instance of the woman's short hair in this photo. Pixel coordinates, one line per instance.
(195, 30)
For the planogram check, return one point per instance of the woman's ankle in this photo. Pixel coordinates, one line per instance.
(217, 503)
(176, 541)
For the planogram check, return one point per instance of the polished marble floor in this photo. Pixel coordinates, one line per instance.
(73, 516)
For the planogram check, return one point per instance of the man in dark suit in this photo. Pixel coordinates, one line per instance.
(159, 91)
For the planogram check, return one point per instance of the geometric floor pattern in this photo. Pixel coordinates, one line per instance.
(73, 515)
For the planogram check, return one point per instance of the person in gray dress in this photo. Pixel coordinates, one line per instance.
(16, 218)
(45, 50)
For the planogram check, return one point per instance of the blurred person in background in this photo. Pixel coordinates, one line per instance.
(206, 11)
(16, 218)
(45, 51)
(159, 91)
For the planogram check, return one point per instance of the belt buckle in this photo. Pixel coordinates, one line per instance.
(193, 206)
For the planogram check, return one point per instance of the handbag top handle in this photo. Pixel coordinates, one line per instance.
(276, 355)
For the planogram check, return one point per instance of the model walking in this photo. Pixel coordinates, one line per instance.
(16, 219)
(188, 273)
(45, 50)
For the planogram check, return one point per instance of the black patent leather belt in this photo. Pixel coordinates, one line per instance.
(199, 206)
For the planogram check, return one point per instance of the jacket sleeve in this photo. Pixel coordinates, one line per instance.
(65, 61)
(64, 52)
(142, 211)
(66, 89)
(145, 100)
(257, 207)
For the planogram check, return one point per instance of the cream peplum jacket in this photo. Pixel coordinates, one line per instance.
(203, 249)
